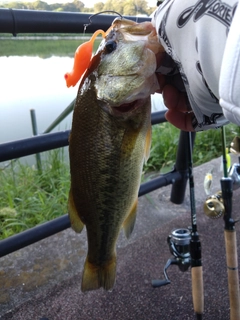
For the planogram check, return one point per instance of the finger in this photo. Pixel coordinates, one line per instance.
(182, 121)
(175, 99)
(161, 81)
(160, 58)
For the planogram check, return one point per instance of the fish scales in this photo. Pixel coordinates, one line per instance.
(104, 176)
(108, 144)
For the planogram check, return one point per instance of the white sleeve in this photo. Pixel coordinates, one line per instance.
(194, 33)
(229, 87)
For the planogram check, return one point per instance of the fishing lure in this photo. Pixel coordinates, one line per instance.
(83, 54)
(208, 182)
(82, 59)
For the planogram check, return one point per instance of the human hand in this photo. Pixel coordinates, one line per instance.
(174, 94)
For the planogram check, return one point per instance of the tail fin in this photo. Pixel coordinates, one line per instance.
(95, 277)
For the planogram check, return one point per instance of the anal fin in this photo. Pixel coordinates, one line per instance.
(129, 222)
(76, 223)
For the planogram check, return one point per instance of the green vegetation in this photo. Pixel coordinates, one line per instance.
(207, 146)
(124, 7)
(28, 198)
(41, 48)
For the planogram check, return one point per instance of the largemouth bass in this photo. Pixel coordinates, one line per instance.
(109, 142)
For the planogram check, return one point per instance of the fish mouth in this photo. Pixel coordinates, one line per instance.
(126, 108)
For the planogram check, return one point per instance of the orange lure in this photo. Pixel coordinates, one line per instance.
(82, 59)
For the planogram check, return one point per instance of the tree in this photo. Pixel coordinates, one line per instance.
(40, 5)
(123, 7)
(15, 5)
(129, 9)
(79, 5)
(58, 9)
(135, 7)
(114, 5)
(142, 6)
(119, 6)
(98, 7)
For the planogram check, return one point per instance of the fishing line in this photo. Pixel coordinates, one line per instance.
(224, 158)
(96, 14)
(136, 6)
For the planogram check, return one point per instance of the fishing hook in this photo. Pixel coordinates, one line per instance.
(93, 15)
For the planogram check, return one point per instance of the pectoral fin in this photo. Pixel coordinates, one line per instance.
(129, 222)
(75, 220)
(148, 143)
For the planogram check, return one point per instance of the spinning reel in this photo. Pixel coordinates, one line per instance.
(214, 206)
(179, 246)
(185, 246)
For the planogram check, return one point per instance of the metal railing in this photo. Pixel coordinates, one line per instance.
(16, 149)
(34, 21)
(15, 21)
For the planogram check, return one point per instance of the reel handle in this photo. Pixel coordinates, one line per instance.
(160, 283)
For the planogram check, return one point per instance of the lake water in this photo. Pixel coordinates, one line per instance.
(35, 83)
(32, 83)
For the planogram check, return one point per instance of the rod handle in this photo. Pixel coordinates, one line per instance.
(197, 290)
(233, 277)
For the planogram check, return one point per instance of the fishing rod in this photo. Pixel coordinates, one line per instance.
(230, 238)
(185, 246)
(221, 204)
(195, 244)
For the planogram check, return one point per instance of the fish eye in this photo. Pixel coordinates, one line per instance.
(110, 46)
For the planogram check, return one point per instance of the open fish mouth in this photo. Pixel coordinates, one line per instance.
(127, 108)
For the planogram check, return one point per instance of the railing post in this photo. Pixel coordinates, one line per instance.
(61, 117)
(181, 165)
(35, 133)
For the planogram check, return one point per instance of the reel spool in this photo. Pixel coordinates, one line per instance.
(214, 206)
(179, 246)
(179, 241)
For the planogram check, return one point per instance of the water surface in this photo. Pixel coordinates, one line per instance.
(32, 83)
(35, 83)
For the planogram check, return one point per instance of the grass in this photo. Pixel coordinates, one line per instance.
(41, 48)
(164, 143)
(28, 198)
(207, 146)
